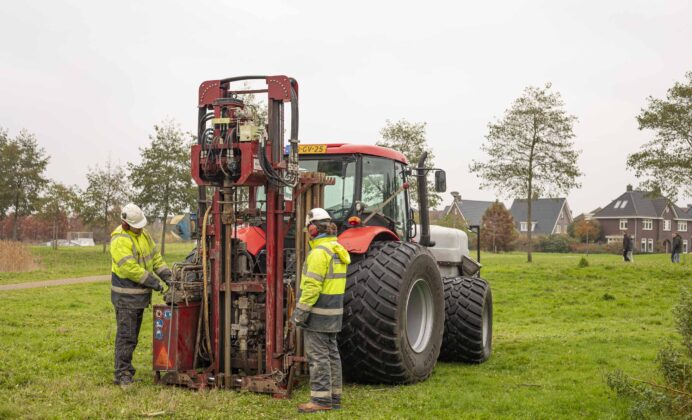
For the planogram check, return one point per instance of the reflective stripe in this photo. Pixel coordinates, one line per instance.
(327, 311)
(320, 394)
(304, 307)
(147, 258)
(144, 276)
(124, 259)
(336, 276)
(129, 291)
(162, 269)
(327, 250)
(313, 276)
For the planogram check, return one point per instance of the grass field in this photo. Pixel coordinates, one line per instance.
(68, 262)
(557, 330)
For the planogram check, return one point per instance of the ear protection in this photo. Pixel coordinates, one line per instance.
(312, 230)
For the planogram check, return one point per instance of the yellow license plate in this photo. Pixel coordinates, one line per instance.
(309, 149)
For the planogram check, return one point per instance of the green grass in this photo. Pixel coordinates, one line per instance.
(68, 262)
(558, 328)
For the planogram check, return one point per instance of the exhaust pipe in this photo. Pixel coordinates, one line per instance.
(423, 214)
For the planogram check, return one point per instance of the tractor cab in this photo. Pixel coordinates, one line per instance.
(370, 187)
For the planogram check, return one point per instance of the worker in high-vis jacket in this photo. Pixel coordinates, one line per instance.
(320, 309)
(137, 269)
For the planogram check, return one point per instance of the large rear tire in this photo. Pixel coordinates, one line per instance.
(468, 335)
(393, 315)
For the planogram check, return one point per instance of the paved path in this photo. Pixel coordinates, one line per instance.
(59, 282)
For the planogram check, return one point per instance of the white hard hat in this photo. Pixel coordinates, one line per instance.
(133, 216)
(317, 214)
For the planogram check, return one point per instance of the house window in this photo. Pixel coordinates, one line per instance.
(647, 224)
(651, 245)
(617, 204)
(523, 226)
(682, 226)
(643, 247)
(624, 203)
(623, 224)
(684, 246)
(666, 225)
(557, 229)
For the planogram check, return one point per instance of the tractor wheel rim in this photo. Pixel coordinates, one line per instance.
(486, 325)
(419, 315)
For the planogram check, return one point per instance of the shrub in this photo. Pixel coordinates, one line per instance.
(555, 243)
(15, 257)
(583, 262)
(672, 395)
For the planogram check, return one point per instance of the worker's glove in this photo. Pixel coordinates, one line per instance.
(166, 275)
(152, 282)
(300, 317)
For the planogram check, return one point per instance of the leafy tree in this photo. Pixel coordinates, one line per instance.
(587, 230)
(451, 220)
(530, 151)
(57, 204)
(666, 160)
(22, 164)
(409, 139)
(106, 192)
(162, 180)
(497, 229)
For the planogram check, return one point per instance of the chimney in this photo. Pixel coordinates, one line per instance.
(629, 187)
(456, 196)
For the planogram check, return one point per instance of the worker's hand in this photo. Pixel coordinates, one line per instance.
(166, 276)
(300, 317)
(152, 282)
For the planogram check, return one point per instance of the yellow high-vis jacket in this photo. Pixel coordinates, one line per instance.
(135, 259)
(323, 283)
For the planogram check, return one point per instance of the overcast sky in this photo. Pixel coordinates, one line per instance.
(91, 78)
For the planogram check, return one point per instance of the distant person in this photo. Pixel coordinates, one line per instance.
(677, 248)
(627, 246)
(137, 269)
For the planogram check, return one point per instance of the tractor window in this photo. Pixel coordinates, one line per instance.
(381, 179)
(338, 198)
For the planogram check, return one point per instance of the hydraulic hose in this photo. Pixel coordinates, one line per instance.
(205, 300)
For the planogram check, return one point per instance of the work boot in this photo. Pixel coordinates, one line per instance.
(125, 382)
(311, 407)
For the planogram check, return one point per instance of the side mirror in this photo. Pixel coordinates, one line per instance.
(440, 181)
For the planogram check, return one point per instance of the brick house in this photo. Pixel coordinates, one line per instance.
(549, 216)
(650, 221)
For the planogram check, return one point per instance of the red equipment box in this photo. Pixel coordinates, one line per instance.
(175, 330)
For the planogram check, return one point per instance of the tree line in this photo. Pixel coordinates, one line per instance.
(160, 183)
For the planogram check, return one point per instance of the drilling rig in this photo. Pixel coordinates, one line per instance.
(413, 293)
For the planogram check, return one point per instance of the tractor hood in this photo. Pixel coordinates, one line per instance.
(450, 244)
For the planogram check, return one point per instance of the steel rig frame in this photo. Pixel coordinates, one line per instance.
(225, 321)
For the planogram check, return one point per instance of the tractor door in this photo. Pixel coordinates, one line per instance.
(380, 179)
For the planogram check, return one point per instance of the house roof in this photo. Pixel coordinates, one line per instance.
(544, 211)
(473, 210)
(639, 204)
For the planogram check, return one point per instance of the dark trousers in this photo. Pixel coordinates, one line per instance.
(129, 322)
(325, 367)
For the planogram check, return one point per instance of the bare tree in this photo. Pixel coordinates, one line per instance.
(530, 151)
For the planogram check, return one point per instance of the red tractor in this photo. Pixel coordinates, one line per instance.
(413, 293)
